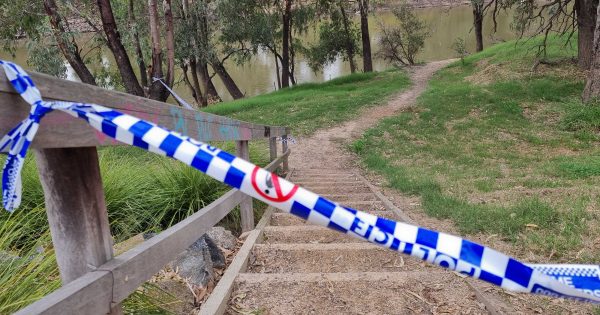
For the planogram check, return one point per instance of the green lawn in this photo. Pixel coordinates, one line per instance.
(308, 107)
(501, 150)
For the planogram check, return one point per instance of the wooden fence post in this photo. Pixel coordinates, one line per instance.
(76, 210)
(246, 210)
(273, 150)
(284, 148)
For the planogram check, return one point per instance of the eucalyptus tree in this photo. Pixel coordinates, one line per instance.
(109, 24)
(249, 26)
(197, 49)
(338, 35)
(363, 6)
(567, 18)
(591, 91)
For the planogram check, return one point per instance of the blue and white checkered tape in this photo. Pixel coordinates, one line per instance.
(580, 282)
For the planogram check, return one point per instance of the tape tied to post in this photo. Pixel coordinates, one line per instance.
(581, 282)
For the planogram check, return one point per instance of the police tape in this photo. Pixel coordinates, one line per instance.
(581, 282)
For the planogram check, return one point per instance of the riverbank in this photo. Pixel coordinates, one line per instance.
(311, 106)
(498, 152)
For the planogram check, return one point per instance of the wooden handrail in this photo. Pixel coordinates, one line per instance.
(65, 142)
(98, 291)
(59, 130)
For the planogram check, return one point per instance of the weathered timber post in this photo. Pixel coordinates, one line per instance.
(76, 210)
(284, 148)
(246, 211)
(273, 150)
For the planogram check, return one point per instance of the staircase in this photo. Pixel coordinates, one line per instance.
(297, 268)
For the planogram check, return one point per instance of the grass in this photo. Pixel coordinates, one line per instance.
(500, 150)
(308, 107)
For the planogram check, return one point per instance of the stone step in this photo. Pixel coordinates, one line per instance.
(286, 219)
(342, 198)
(338, 189)
(306, 234)
(376, 205)
(322, 173)
(335, 257)
(323, 180)
(428, 292)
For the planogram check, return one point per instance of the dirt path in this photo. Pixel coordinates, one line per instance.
(326, 150)
(325, 146)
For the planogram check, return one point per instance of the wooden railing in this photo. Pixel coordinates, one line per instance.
(95, 282)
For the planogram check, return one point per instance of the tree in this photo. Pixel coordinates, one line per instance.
(133, 26)
(366, 38)
(157, 91)
(564, 17)
(586, 11)
(249, 26)
(285, 46)
(400, 44)
(338, 37)
(478, 12)
(592, 86)
(197, 34)
(132, 86)
(67, 44)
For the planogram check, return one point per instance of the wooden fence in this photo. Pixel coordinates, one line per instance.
(95, 282)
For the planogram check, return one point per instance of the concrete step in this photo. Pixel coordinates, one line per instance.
(335, 257)
(429, 292)
(306, 234)
(286, 219)
(341, 198)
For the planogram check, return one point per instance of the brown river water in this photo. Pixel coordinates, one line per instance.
(258, 75)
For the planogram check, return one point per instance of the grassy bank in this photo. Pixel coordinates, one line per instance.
(308, 107)
(499, 149)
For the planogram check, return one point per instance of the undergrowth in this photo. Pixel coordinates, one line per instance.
(144, 193)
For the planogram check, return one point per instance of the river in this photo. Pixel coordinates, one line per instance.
(258, 75)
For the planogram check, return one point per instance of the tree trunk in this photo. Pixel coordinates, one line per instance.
(228, 81)
(169, 36)
(366, 38)
(212, 91)
(68, 49)
(132, 86)
(349, 44)
(157, 90)
(592, 85)
(478, 24)
(586, 22)
(196, 82)
(138, 46)
(285, 62)
(204, 78)
(292, 55)
(277, 72)
(188, 83)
